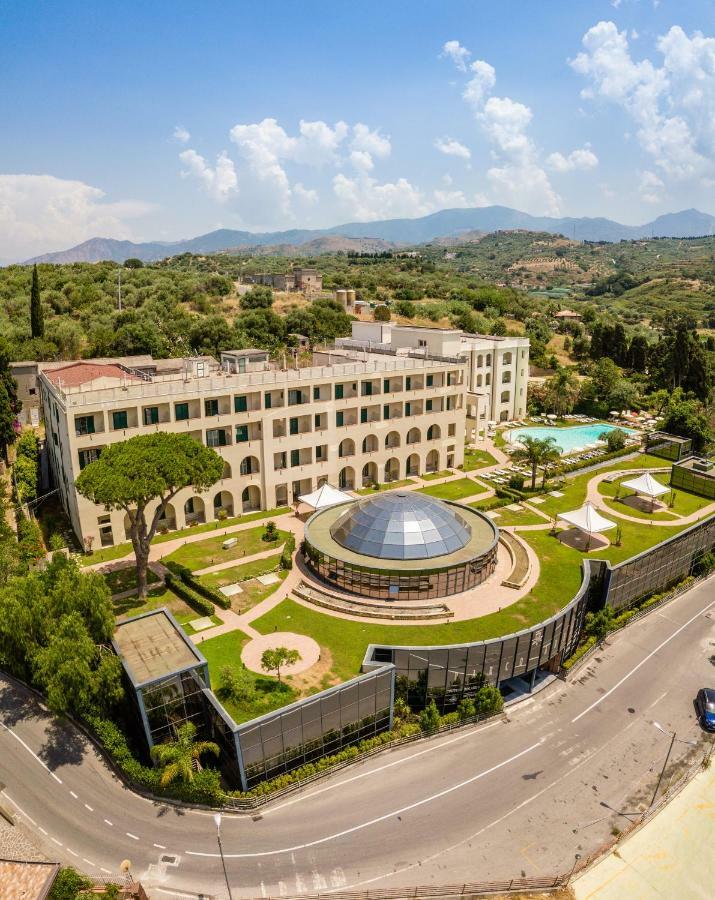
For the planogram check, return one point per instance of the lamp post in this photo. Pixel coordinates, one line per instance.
(577, 857)
(673, 738)
(217, 820)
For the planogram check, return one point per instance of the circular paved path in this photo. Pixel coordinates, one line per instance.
(309, 651)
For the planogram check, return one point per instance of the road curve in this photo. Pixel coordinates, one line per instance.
(492, 801)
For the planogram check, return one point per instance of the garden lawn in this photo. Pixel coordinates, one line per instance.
(202, 554)
(124, 579)
(454, 490)
(221, 523)
(252, 591)
(477, 459)
(685, 503)
(387, 486)
(433, 476)
(225, 650)
(132, 606)
(514, 517)
(106, 554)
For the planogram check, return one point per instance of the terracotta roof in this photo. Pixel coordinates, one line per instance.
(83, 372)
(21, 880)
(567, 314)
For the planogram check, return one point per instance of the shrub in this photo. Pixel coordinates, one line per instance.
(429, 718)
(488, 700)
(286, 561)
(615, 439)
(598, 624)
(705, 564)
(270, 532)
(68, 885)
(189, 596)
(237, 684)
(466, 709)
(517, 482)
(190, 581)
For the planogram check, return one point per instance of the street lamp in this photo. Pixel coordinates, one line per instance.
(577, 857)
(217, 820)
(673, 738)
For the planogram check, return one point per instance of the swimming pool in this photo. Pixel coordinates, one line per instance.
(569, 438)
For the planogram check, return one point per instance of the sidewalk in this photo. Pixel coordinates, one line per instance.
(671, 856)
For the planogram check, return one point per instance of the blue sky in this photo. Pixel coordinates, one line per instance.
(162, 120)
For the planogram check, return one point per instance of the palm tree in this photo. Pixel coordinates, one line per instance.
(536, 452)
(177, 757)
(562, 392)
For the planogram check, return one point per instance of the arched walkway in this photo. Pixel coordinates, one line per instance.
(346, 448)
(413, 465)
(346, 478)
(370, 444)
(251, 498)
(223, 505)
(369, 474)
(194, 510)
(392, 469)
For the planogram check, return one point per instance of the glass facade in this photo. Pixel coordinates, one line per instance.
(316, 727)
(171, 702)
(688, 478)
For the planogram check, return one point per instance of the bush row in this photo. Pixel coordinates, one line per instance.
(189, 595)
(587, 463)
(27, 454)
(286, 561)
(190, 581)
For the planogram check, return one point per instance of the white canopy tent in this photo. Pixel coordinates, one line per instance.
(587, 519)
(325, 496)
(647, 485)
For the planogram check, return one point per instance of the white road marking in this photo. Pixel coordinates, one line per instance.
(87, 806)
(43, 830)
(102, 869)
(74, 795)
(371, 822)
(70, 850)
(89, 862)
(160, 846)
(132, 836)
(643, 662)
(21, 810)
(31, 752)
(111, 824)
(56, 841)
(397, 762)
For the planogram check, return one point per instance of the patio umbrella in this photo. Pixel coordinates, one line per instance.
(646, 484)
(587, 519)
(552, 416)
(325, 496)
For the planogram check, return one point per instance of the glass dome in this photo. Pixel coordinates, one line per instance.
(401, 526)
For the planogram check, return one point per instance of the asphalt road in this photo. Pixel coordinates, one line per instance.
(520, 796)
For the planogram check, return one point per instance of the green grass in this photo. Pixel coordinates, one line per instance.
(477, 459)
(252, 591)
(184, 619)
(202, 554)
(433, 476)
(225, 650)
(454, 490)
(387, 486)
(685, 503)
(106, 554)
(125, 579)
(131, 606)
(513, 517)
(224, 523)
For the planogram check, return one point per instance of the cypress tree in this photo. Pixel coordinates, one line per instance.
(37, 323)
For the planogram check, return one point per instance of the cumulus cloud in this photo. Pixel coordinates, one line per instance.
(181, 134)
(450, 199)
(40, 212)
(451, 147)
(651, 187)
(364, 198)
(220, 180)
(370, 141)
(672, 105)
(480, 84)
(457, 53)
(578, 160)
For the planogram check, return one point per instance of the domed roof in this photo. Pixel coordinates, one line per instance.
(401, 526)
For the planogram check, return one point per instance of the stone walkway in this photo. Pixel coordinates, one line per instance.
(308, 649)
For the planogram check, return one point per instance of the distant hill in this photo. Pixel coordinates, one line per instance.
(442, 224)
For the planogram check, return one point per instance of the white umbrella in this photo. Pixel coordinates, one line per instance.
(325, 496)
(552, 416)
(587, 519)
(646, 484)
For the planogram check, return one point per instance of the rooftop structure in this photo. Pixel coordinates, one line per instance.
(27, 880)
(152, 646)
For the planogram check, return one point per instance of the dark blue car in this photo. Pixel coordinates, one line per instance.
(705, 706)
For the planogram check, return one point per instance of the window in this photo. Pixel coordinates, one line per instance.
(507, 359)
(151, 415)
(421, 342)
(181, 412)
(366, 388)
(316, 420)
(480, 360)
(321, 453)
(488, 379)
(505, 396)
(316, 393)
(248, 466)
(428, 406)
(216, 437)
(189, 506)
(339, 419)
(88, 456)
(363, 415)
(339, 392)
(32, 392)
(489, 359)
(386, 411)
(430, 381)
(267, 400)
(84, 424)
(505, 377)
(386, 385)
(119, 419)
(295, 457)
(240, 403)
(293, 425)
(479, 380)
(280, 460)
(408, 409)
(295, 397)
(211, 407)
(451, 429)
(408, 383)
(241, 434)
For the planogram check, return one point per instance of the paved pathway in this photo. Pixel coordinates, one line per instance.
(240, 561)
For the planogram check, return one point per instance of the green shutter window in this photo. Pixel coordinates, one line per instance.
(211, 407)
(241, 434)
(316, 393)
(151, 415)
(428, 405)
(408, 409)
(386, 411)
(363, 415)
(430, 381)
(386, 385)
(408, 383)
(84, 425)
(267, 400)
(293, 423)
(181, 412)
(316, 420)
(119, 419)
(240, 403)
(339, 391)
(295, 457)
(339, 418)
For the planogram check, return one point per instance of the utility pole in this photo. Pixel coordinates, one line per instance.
(217, 820)
(673, 738)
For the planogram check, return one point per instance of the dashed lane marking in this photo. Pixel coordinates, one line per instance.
(74, 795)
(160, 846)
(31, 752)
(56, 842)
(107, 822)
(70, 850)
(87, 806)
(89, 862)
(132, 836)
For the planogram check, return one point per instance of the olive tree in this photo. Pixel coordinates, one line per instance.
(132, 475)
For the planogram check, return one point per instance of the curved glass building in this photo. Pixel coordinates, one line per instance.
(401, 545)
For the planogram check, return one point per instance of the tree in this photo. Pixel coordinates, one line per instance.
(488, 700)
(133, 263)
(259, 297)
(615, 439)
(598, 624)
(382, 314)
(466, 709)
(638, 353)
(429, 718)
(69, 885)
(10, 406)
(536, 452)
(604, 378)
(687, 418)
(177, 757)
(562, 391)
(37, 322)
(150, 467)
(237, 684)
(273, 660)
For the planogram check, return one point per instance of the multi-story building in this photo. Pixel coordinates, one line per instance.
(497, 367)
(300, 278)
(352, 418)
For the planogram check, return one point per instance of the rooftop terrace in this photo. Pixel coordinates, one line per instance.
(152, 646)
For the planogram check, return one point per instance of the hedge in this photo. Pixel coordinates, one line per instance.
(189, 596)
(193, 584)
(588, 463)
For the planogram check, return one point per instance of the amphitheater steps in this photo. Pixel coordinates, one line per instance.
(369, 609)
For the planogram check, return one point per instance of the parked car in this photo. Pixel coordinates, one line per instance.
(705, 707)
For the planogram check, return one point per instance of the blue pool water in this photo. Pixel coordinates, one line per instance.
(566, 438)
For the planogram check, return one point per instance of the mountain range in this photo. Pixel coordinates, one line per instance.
(388, 232)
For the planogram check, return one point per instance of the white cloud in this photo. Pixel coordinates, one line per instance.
(181, 134)
(220, 181)
(40, 213)
(364, 198)
(362, 160)
(451, 147)
(578, 160)
(450, 199)
(304, 195)
(480, 84)
(672, 105)
(651, 187)
(368, 141)
(457, 53)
